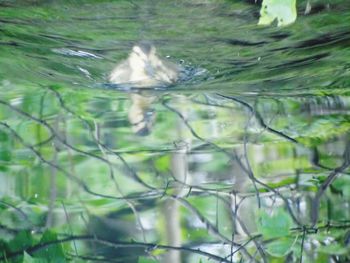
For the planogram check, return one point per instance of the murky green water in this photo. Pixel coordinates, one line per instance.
(247, 160)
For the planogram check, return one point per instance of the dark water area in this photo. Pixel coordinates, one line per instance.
(245, 159)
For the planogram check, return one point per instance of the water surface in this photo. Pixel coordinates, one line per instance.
(246, 161)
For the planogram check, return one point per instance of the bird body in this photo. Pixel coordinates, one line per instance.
(143, 68)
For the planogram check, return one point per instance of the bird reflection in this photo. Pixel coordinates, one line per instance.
(144, 69)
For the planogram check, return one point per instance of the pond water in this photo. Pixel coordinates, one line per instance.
(246, 160)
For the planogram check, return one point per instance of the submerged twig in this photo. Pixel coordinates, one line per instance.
(114, 244)
(331, 177)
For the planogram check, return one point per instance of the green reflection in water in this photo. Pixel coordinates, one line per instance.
(248, 159)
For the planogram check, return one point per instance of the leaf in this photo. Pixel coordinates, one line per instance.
(22, 240)
(333, 249)
(28, 259)
(283, 182)
(283, 10)
(5, 155)
(163, 163)
(147, 260)
(272, 226)
(281, 247)
(54, 252)
(342, 185)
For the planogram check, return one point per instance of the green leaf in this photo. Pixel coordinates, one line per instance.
(5, 155)
(281, 247)
(334, 249)
(276, 225)
(22, 240)
(342, 185)
(3, 136)
(147, 260)
(54, 252)
(283, 10)
(163, 163)
(28, 259)
(283, 182)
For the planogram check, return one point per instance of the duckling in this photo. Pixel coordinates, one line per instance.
(143, 69)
